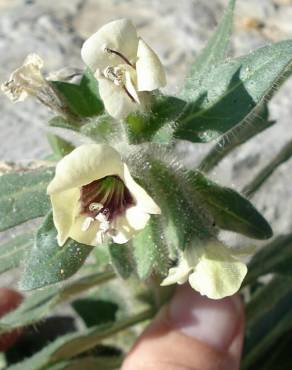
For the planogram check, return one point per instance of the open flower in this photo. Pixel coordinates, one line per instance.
(94, 197)
(213, 270)
(25, 80)
(125, 66)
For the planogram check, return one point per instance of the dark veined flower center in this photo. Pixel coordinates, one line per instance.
(107, 196)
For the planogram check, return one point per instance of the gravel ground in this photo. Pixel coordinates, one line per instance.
(177, 30)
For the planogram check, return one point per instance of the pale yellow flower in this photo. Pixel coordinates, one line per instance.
(95, 198)
(125, 66)
(213, 270)
(25, 80)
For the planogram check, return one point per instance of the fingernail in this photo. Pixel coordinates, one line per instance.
(214, 322)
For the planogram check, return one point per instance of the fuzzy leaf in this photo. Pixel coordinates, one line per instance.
(101, 129)
(40, 303)
(60, 146)
(179, 208)
(143, 127)
(82, 99)
(230, 210)
(150, 250)
(61, 122)
(215, 51)
(241, 134)
(229, 92)
(13, 251)
(71, 345)
(23, 196)
(48, 263)
(95, 311)
(122, 259)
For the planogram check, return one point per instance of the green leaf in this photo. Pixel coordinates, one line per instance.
(230, 210)
(283, 156)
(89, 363)
(241, 134)
(48, 263)
(143, 127)
(121, 257)
(13, 251)
(265, 298)
(60, 146)
(83, 99)
(102, 129)
(214, 52)
(95, 311)
(150, 250)
(278, 357)
(61, 122)
(229, 92)
(275, 257)
(184, 219)
(71, 345)
(39, 304)
(23, 196)
(267, 330)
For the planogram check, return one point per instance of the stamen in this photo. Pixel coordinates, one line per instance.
(95, 207)
(129, 95)
(86, 223)
(104, 226)
(99, 237)
(111, 51)
(101, 217)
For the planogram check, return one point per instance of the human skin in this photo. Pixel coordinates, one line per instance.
(9, 300)
(191, 333)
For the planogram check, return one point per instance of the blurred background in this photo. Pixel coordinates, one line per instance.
(177, 30)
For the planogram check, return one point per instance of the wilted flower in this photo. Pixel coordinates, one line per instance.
(25, 80)
(125, 66)
(213, 270)
(95, 197)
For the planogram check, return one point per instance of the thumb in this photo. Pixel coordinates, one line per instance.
(192, 333)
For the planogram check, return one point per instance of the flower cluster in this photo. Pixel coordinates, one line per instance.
(94, 197)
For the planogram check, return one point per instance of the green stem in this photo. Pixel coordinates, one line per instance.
(284, 155)
(85, 283)
(161, 295)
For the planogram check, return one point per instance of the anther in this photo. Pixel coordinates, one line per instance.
(86, 223)
(95, 207)
(126, 60)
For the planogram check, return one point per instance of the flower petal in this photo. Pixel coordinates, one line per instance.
(137, 218)
(85, 164)
(143, 200)
(116, 101)
(150, 72)
(129, 225)
(178, 274)
(64, 206)
(85, 237)
(25, 80)
(118, 35)
(217, 274)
